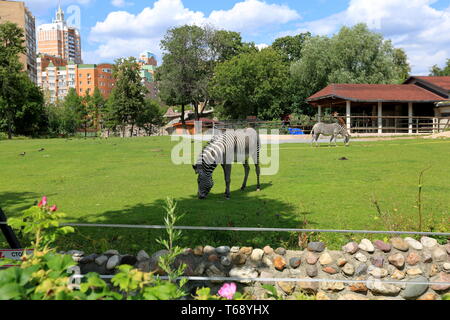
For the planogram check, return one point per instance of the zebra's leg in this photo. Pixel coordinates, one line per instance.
(331, 140)
(258, 173)
(227, 175)
(246, 170)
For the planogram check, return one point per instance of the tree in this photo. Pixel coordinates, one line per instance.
(96, 107)
(191, 54)
(73, 112)
(150, 117)
(21, 102)
(127, 99)
(354, 55)
(436, 71)
(290, 47)
(251, 84)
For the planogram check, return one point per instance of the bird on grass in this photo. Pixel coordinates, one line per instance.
(41, 149)
(22, 154)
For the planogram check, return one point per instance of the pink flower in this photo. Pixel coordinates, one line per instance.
(228, 290)
(53, 208)
(43, 202)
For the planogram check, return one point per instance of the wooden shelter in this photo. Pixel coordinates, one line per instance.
(384, 105)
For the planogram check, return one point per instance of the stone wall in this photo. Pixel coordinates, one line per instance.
(400, 259)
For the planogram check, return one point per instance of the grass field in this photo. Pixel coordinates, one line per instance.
(125, 181)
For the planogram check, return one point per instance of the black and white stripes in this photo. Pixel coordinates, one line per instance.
(226, 148)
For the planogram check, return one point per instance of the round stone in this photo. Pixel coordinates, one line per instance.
(214, 272)
(366, 245)
(223, 250)
(312, 271)
(441, 277)
(361, 257)
(446, 266)
(413, 258)
(279, 263)
(439, 255)
(325, 259)
(397, 260)
(309, 286)
(244, 272)
(113, 262)
(198, 251)
(111, 252)
(348, 269)
(238, 258)
(398, 275)
(234, 249)
(330, 270)
(316, 246)
(350, 247)
(415, 288)
(209, 250)
(268, 250)
(428, 242)
(142, 255)
(414, 271)
(413, 243)
(361, 269)
(377, 261)
(266, 261)
(427, 258)
(378, 287)
(287, 287)
(246, 250)
(225, 261)
(428, 296)
(213, 258)
(434, 270)
(341, 262)
(358, 286)
(295, 262)
(101, 260)
(400, 244)
(257, 255)
(311, 258)
(381, 245)
(280, 251)
(378, 272)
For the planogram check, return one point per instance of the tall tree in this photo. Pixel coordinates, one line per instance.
(74, 112)
(151, 116)
(354, 55)
(445, 71)
(21, 102)
(190, 56)
(96, 107)
(127, 99)
(290, 47)
(251, 84)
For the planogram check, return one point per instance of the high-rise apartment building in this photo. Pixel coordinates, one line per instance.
(60, 40)
(147, 62)
(17, 12)
(56, 81)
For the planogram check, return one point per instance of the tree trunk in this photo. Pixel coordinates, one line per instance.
(183, 122)
(196, 111)
(131, 131)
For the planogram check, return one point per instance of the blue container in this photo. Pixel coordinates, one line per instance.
(295, 131)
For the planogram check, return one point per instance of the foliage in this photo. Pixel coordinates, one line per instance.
(290, 47)
(21, 102)
(445, 71)
(151, 116)
(205, 294)
(190, 55)
(127, 100)
(273, 294)
(354, 55)
(251, 84)
(40, 223)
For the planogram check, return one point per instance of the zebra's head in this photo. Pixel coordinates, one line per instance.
(204, 181)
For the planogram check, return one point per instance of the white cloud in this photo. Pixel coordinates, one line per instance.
(126, 34)
(261, 46)
(121, 3)
(414, 25)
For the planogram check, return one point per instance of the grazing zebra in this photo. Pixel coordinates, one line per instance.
(224, 149)
(327, 129)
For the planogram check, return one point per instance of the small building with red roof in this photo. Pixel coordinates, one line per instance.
(385, 105)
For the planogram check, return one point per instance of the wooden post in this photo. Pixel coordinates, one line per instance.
(380, 120)
(348, 113)
(410, 115)
(319, 113)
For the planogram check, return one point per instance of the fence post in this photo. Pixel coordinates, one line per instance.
(8, 232)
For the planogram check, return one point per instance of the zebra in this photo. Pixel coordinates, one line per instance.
(327, 129)
(225, 148)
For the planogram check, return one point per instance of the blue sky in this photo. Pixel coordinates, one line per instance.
(116, 28)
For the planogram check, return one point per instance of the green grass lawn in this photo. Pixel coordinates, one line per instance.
(125, 181)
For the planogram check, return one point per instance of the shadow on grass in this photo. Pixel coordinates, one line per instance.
(14, 199)
(246, 208)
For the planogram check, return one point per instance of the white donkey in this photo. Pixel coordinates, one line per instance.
(333, 129)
